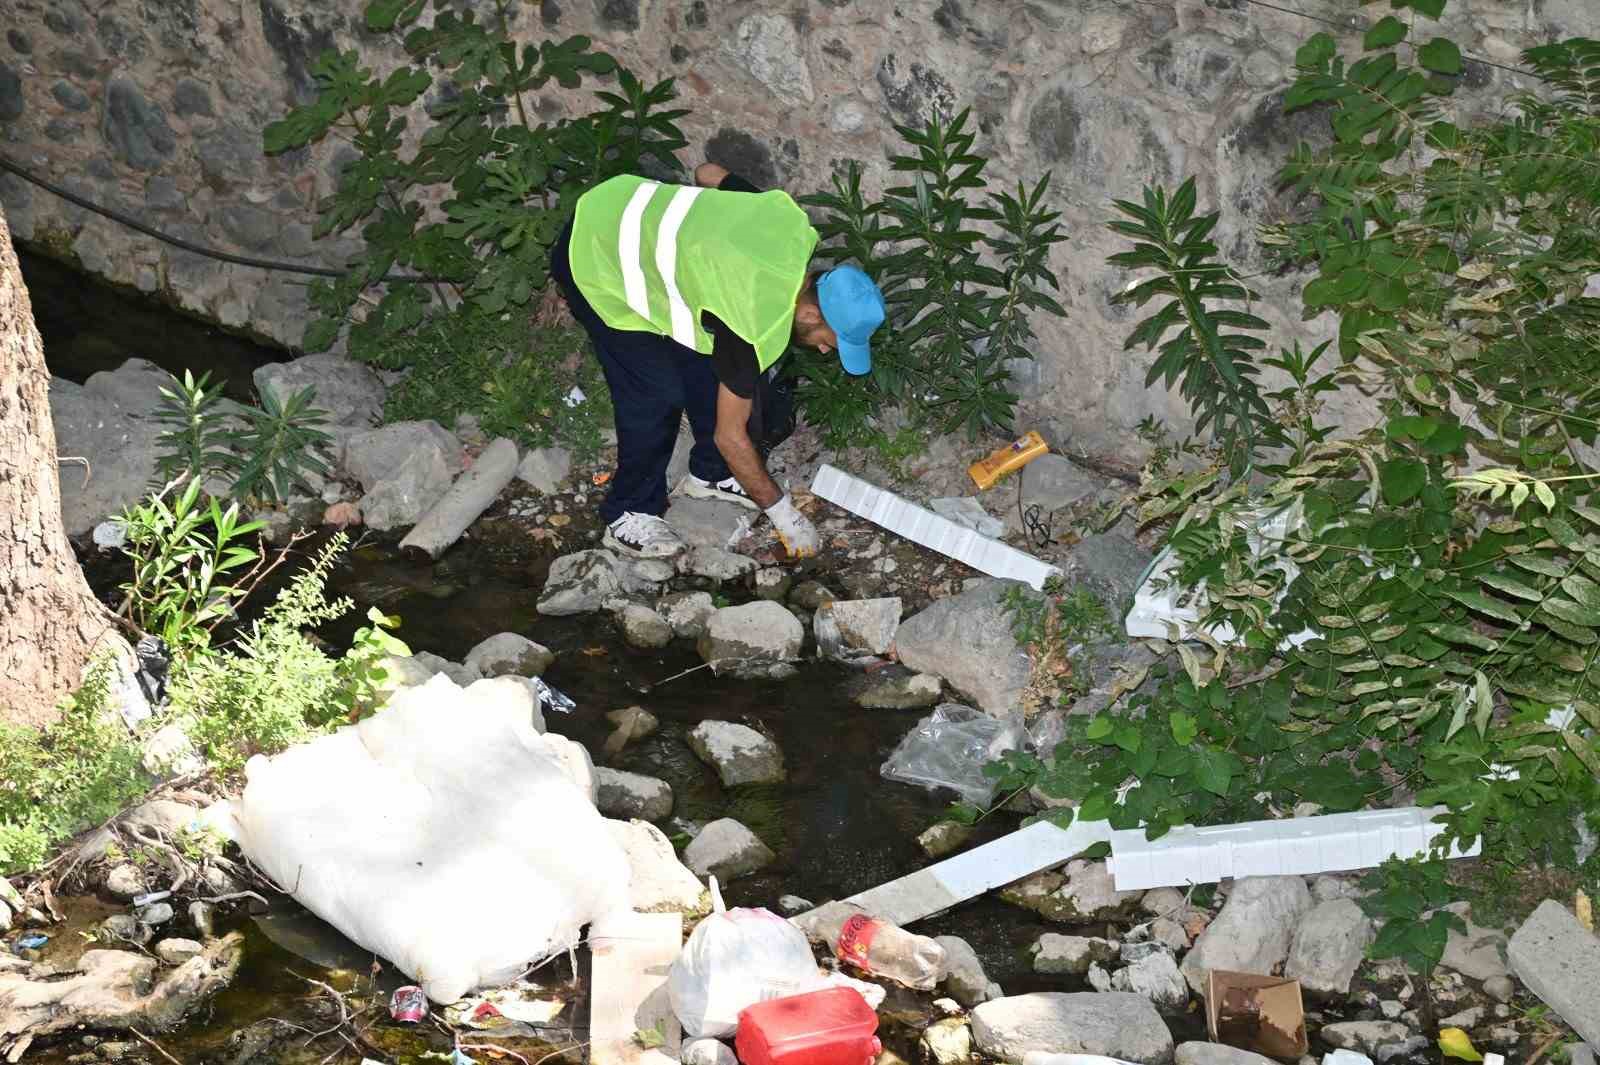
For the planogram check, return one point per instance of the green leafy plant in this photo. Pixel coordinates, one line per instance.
(182, 550)
(960, 279)
(74, 773)
(275, 684)
(1058, 630)
(1207, 346)
(505, 181)
(1408, 896)
(194, 442)
(279, 445)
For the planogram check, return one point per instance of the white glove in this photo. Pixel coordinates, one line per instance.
(799, 536)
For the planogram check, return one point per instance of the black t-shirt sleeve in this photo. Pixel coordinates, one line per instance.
(735, 183)
(732, 358)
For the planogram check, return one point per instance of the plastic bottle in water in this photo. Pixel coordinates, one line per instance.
(876, 947)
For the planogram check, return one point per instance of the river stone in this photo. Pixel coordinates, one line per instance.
(157, 913)
(715, 563)
(177, 951)
(727, 850)
(508, 654)
(1253, 931)
(1084, 892)
(948, 1042)
(945, 837)
(1366, 1037)
(644, 628)
(1070, 954)
(169, 752)
(687, 613)
(867, 624)
(754, 634)
(135, 128)
(1110, 565)
(660, 883)
(738, 753)
(1216, 1054)
(1156, 977)
(810, 595)
(373, 456)
(708, 522)
(126, 881)
(580, 583)
(1478, 953)
(967, 640)
(1329, 945)
(1114, 1023)
(124, 928)
(545, 468)
(653, 571)
(1559, 960)
(70, 96)
(459, 673)
(914, 692)
(190, 98)
(966, 982)
(632, 795)
(349, 391)
(707, 1052)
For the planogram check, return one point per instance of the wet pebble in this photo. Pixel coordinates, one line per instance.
(156, 913)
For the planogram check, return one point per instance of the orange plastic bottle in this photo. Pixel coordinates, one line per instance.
(1014, 456)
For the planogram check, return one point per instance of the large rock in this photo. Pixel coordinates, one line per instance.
(509, 654)
(410, 490)
(738, 753)
(753, 635)
(632, 795)
(967, 640)
(643, 627)
(1216, 1054)
(966, 981)
(1110, 565)
(106, 422)
(709, 522)
(1116, 1024)
(660, 882)
(1084, 892)
(726, 850)
(351, 393)
(1253, 931)
(1477, 952)
(687, 613)
(867, 625)
(1559, 960)
(580, 583)
(1329, 946)
(1070, 954)
(372, 456)
(715, 563)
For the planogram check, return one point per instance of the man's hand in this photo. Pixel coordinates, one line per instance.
(710, 175)
(799, 536)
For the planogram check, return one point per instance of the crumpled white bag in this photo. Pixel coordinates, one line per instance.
(442, 834)
(733, 960)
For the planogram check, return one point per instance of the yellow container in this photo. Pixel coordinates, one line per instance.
(1014, 456)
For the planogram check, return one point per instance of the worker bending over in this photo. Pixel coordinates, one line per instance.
(690, 295)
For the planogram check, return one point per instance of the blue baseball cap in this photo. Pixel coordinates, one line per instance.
(853, 307)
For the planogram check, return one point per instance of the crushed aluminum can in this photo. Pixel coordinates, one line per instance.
(408, 1004)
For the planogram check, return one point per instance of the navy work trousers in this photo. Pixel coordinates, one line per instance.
(654, 380)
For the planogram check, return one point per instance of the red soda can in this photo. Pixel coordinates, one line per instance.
(408, 1005)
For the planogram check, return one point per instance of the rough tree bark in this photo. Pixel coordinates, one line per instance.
(49, 620)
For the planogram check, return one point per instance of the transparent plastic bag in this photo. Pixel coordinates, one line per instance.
(734, 959)
(949, 747)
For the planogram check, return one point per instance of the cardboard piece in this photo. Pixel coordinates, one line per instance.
(1254, 1012)
(631, 954)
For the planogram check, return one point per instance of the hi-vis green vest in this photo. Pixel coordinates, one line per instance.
(649, 256)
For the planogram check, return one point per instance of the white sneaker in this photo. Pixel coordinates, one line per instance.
(729, 490)
(643, 536)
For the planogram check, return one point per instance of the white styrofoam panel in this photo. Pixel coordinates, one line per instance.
(938, 887)
(923, 526)
(1293, 846)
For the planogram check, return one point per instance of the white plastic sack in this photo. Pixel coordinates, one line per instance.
(733, 960)
(442, 834)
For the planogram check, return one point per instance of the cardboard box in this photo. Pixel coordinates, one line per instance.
(1254, 1012)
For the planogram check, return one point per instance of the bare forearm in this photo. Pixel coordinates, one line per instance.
(744, 461)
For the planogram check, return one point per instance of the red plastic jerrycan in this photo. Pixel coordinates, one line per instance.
(830, 1027)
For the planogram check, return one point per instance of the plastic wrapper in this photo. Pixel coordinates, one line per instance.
(948, 749)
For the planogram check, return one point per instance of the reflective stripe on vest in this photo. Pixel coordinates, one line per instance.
(630, 242)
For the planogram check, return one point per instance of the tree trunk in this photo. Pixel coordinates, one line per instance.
(49, 620)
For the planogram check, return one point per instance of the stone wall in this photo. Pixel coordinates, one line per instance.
(156, 107)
